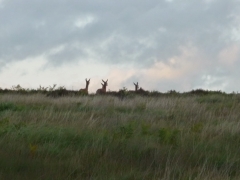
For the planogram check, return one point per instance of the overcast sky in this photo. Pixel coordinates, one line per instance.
(162, 44)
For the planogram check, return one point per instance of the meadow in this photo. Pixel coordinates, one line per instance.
(172, 136)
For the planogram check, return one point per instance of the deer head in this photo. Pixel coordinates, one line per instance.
(103, 89)
(136, 86)
(85, 90)
(87, 83)
(104, 84)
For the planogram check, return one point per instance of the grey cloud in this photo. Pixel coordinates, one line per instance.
(31, 28)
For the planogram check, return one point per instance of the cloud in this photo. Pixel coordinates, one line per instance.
(176, 66)
(33, 27)
(176, 70)
(118, 77)
(32, 72)
(82, 22)
(230, 55)
(177, 44)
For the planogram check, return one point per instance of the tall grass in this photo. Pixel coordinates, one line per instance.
(103, 137)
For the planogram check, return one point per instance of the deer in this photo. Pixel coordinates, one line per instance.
(136, 88)
(103, 89)
(85, 90)
(139, 90)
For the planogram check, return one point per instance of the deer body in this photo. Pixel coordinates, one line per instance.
(103, 89)
(138, 90)
(141, 91)
(85, 90)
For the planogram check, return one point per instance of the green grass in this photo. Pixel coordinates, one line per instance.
(177, 137)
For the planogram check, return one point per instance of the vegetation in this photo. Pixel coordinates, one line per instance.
(172, 135)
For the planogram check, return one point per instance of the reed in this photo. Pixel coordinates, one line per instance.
(103, 137)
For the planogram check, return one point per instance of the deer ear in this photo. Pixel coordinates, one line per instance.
(102, 84)
(107, 80)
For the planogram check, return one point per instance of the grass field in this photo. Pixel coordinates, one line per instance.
(103, 137)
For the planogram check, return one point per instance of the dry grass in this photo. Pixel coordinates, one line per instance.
(103, 137)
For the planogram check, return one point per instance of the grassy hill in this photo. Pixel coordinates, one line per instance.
(174, 136)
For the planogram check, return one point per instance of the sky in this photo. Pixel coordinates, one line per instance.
(161, 44)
